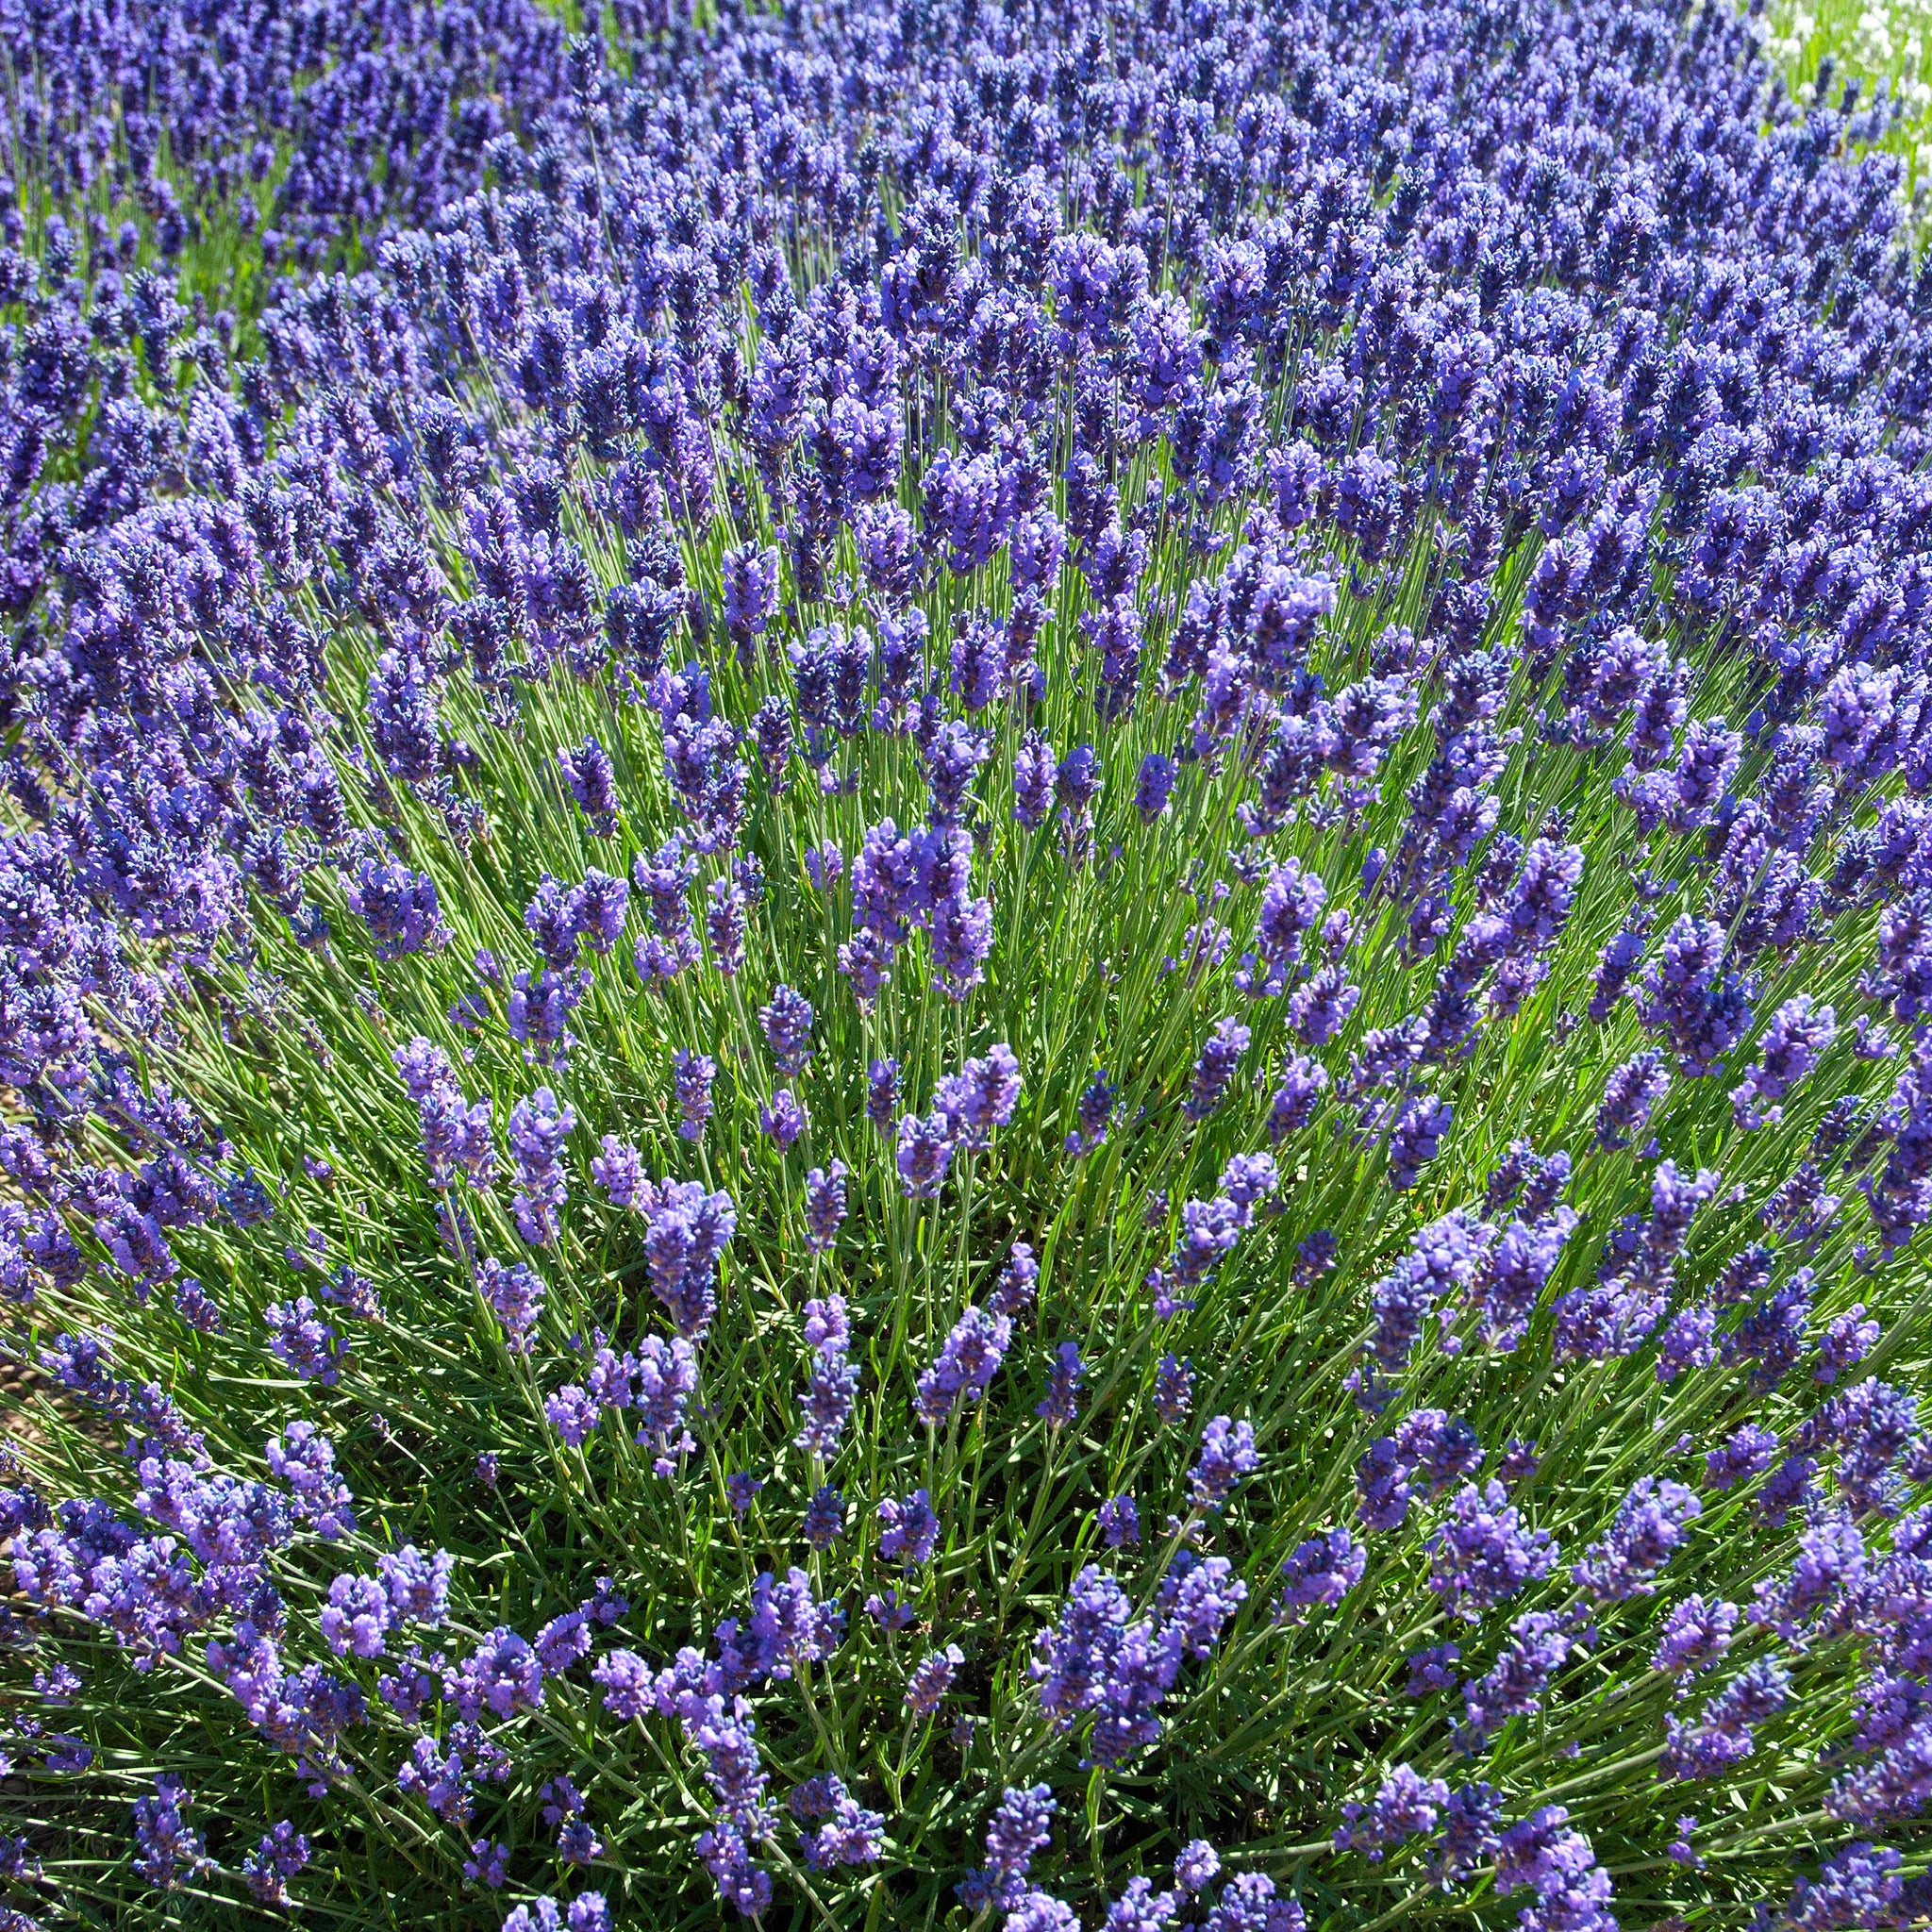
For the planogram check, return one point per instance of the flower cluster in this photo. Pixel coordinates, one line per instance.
(830, 838)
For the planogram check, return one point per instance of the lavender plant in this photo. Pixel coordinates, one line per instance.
(979, 981)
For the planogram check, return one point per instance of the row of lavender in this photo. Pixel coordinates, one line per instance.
(977, 982)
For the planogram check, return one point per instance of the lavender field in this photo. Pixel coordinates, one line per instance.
(964, 967)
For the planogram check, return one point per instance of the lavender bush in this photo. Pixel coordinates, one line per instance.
(963, 967)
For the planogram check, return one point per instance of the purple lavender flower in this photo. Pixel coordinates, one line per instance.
(1469, 1833)
(964, 1367)
(1321, 1570)
(1649, 1525)
(1060, 1404)
(167, 1849)
(824, 1517)
(787, 1023)
(1019, 1826)
(1572, 1890)
(1033, 781)
(1537, 1646)
(693, 1074)
(1291, 903)
(1444, 1260)
(980, 1096)
(834, 1378)
(1437, 1447)
(1320, 1008)
(851, 1836)
(592, 783)
(1432, 1670)
(1249, 1902)
(961, 941)
(282, 1855)
(1017, 1290)
(1228, 1453)
(1630, 1097)
(931, 1678)
(1846, 1342)
(628, 361)
(1615, 970)
(552, 920)
(1416, 1138)
(355, 1617)
(908, 1531)
(824, 1206)
(1789, 1487)
(537, 1013)
(1702, 1008)
(303, 1342)
(1119, 1522)
(599, 904)
(1799, 1032)
(1075, 785)
(924, 1150)
(304, 1458)
(750, 577)
(882, 1093)
(687, 1232)
(1696, 1633)
(1485, 1553)
(890, 1611)
(739, 1883)
(400, 908)
(1405, 1807)
(724, 925)
(1511, 1276)
(457, 1137)
(1747, 1451)
(1857, 1886)
(539, 1127)
(1215, 1068)
(664, 882)
(782, 1119)
(1153, 786)
(1687, 1342)
(1303, 1083)
(1726, 1735)
(1140, 1908)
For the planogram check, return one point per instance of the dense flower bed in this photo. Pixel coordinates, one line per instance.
(962, 968)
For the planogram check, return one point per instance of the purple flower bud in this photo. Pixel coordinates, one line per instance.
(787, 1023)
(1017, 1288)
(1173, 1390)
(931, 1678)
(924, 1149)
(1321, 1570)
(1119, 1522)
(1228, 1453)
(882, 1093)
(964, 1367)
(782, 1119)
(1060, 1404)
(692, 1075)
(1214, 1068)
(909, 1530)
(592, 783)
(824, 1206)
